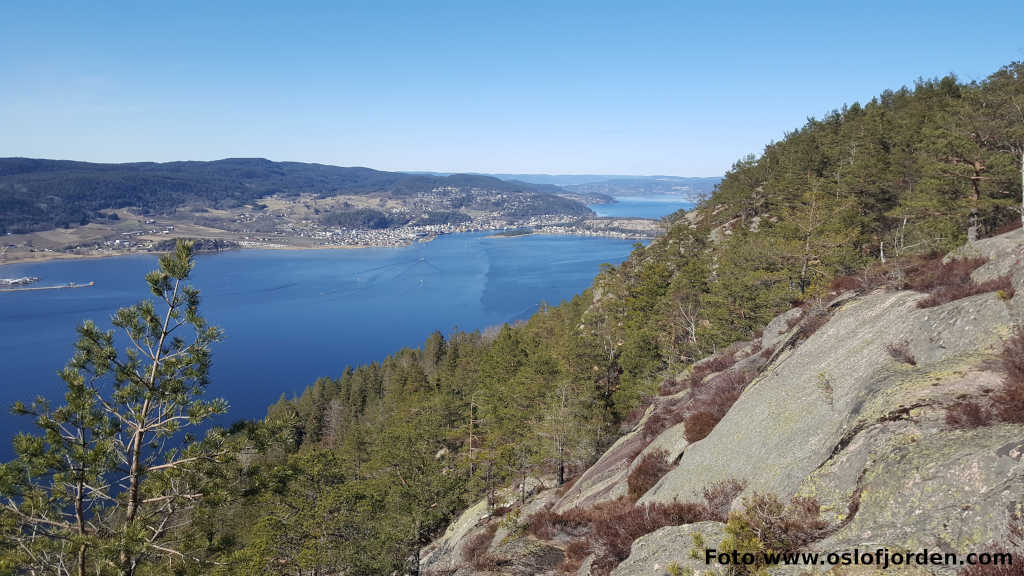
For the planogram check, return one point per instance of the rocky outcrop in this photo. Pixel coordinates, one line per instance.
(606, 479)
(679, 547)
(776, 330)
(794, 416)
(853, 415)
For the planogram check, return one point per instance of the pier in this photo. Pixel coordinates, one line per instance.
(58, 287)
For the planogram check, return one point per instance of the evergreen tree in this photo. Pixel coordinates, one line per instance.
(109, 477)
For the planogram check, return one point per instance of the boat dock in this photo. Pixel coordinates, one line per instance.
(58, 287)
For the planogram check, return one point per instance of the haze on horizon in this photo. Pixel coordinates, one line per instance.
(530, 87)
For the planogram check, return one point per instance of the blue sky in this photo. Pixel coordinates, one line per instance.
(631, 87)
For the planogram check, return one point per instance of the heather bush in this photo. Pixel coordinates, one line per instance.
(475, 550)
(948, 281)
(615, 528)
(931, 273)
(900, 351)
(667, 415)
(948, 293)
(709, 404)
(1009, 400)
(921, 272)
(647, 472)
(718, 363)
(811, 323)
(720, 496)
(766, 524)
(721, 362)
(699, 424)
(637, 413)
(967, 415)
(608, 529)
(546, 523)
(576, 551)
(672, 386)
(845, 283)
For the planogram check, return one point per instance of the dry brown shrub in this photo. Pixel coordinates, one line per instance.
(576, 551)
(546, 523)
(845, 283)
(900, 351)
(967, 415)
(608, 529)
(811, 324)
(717, 363)
(719, 497)
(699, 424)
(475, 551)
(794, 320)
(709, 404)
(647, 472)
(561, 490)
(615, 527)
(672, 386)
(1009, 400)
(637, 413)
(948, 293)
(928, 273)
(784, 528)
(667, 415)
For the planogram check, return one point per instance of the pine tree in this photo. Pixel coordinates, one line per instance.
(109, 476)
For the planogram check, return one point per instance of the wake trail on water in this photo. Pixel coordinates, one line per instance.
(407, 268)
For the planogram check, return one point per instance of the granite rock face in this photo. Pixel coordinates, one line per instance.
(681, 547)
(606, 479)
(854, 415)
(795, 416)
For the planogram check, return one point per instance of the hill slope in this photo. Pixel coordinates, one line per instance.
(874, 438)
(42, 194)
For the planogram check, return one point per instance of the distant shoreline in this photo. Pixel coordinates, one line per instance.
(42, 257)
(38, 258)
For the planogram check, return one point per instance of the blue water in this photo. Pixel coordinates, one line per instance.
(292, 316)
(641, 206)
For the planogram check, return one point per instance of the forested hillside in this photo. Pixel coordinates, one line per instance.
(359, 472)
(43, 194)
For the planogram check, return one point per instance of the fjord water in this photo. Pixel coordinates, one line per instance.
(292, 316)
(642, 206)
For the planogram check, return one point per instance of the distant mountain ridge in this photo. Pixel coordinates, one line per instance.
(39, 194)
(692, 188)
(575, 182)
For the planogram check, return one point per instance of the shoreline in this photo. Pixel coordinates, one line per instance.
(39, 258)
(57, 256)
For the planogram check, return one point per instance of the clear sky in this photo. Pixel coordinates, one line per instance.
(630, 87)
